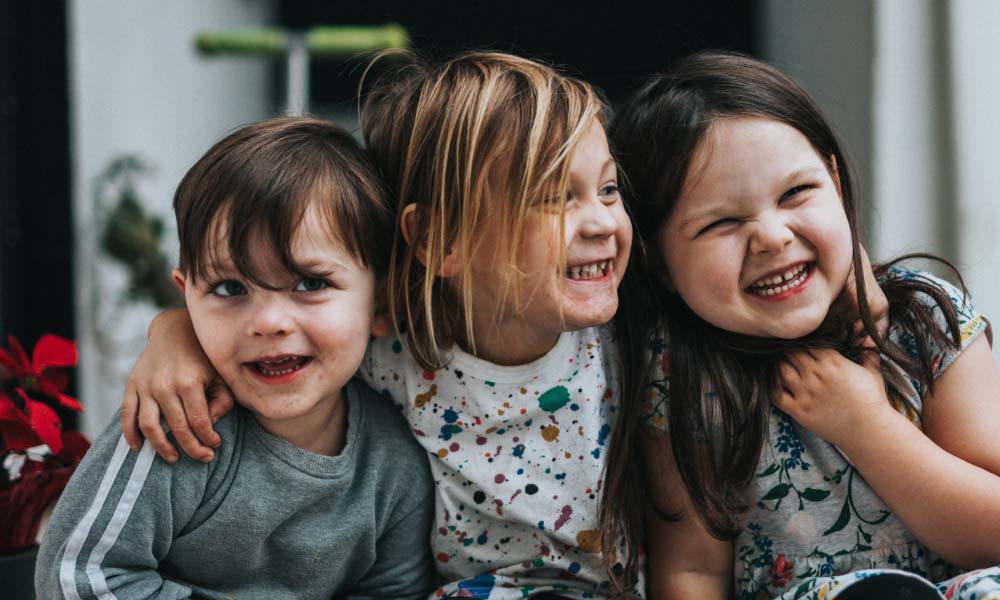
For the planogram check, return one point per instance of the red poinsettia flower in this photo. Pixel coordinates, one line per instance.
(43, 373)
(35, 424)
(782, 571)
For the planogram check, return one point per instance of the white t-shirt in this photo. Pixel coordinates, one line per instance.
(517, 455)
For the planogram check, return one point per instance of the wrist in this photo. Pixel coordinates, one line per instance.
(872, 431)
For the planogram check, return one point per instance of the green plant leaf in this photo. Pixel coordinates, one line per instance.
(815, 495)
(777, 492)
(842, 520)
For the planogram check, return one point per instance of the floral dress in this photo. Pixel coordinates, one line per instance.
(815, 526)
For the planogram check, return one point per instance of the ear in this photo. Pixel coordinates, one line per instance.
(451, 265)
(381, 325)
(179, 280)
(835, 173)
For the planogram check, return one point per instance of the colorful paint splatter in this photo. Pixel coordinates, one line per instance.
(815, 524)
(517, 455)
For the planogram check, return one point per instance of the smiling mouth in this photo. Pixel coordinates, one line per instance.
(280, 366)
(594, 270)
(782, 282)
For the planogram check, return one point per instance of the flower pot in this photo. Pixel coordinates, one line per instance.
(17, 572)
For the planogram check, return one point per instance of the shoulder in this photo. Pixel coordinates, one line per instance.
(386, 434)
(970, 321)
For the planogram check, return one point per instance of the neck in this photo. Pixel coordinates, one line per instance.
(508, 344)
(323, 430)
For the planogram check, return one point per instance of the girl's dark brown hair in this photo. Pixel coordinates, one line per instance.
(717, 437)
(255, 186)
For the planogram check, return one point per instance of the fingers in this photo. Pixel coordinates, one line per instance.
(220, 399)
(791, 375)
(195, 405)
(149, 423)
(130, 417)
(174, 413)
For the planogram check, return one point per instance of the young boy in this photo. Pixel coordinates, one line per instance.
(318, 489)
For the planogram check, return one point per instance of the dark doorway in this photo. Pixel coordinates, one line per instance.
(610, 44)
(36, 236)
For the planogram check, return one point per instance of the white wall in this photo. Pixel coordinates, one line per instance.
(912, 87)
(137, 86)
(973, 26)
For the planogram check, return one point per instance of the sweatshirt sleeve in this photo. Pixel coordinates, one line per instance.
(404, 569)
(115, 522)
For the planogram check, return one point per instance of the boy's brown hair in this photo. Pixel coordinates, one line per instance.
(482, 136)
(258, 182)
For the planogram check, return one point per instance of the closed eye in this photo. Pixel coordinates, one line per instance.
(795, 192)
(714, 225)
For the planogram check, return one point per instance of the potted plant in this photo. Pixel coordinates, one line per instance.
(38, 455)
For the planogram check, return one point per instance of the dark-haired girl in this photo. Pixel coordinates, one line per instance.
(793, 456)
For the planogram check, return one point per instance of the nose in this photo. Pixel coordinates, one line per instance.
(598, 219)
(271, 315)
(771, 234)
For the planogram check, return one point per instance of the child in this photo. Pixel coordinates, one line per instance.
(317, 490)
(783, 466)
(512, 242)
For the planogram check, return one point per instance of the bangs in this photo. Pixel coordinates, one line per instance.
(242, 204)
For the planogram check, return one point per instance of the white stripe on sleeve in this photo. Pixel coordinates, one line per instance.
(67, 567)
(125, 505)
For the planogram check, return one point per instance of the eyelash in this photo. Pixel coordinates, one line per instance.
(213, 288)
(326, 284)
(791, 193)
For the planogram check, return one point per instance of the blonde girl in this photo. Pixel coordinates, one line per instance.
(504, 274)
(777, 465)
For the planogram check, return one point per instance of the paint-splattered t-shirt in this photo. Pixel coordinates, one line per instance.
(517, 454)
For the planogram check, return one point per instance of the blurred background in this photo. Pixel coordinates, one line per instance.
(104, 104)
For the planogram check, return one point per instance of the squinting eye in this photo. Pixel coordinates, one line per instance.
(795, 191)
(716, 224)
(311, 285)
(229, 288)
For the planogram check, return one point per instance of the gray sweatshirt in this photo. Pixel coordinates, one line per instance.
(265, 519)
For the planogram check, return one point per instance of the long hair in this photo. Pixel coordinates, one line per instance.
(478, 138)
(717, 437)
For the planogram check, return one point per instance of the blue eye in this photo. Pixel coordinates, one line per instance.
(311, 285)
(229, 288)
(610, 190)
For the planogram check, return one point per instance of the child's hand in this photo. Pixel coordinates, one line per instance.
(174, 377)
(846, 313)
(830, 395)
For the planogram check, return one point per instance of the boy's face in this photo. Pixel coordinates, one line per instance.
(286, 353)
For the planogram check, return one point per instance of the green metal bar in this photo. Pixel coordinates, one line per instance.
(327, 42)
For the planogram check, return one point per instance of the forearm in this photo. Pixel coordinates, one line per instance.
(949, 504)
(169, 320)
(668, 585)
